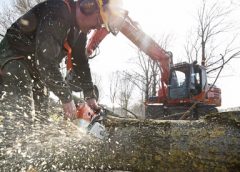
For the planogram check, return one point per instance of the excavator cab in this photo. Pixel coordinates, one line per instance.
(186, 81)
(187, 86)
(179, 81)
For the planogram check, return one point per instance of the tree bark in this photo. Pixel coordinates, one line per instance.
(210, 144)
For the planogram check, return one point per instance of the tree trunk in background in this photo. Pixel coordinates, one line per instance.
(212, 144)
(203, 61)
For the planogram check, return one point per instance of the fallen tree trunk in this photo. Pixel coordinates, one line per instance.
(212, 144)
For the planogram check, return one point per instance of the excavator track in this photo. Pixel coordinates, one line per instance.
(192, 112)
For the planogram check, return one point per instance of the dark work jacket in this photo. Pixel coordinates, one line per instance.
(41, 33)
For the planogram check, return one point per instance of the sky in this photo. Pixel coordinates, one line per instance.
(157, 18)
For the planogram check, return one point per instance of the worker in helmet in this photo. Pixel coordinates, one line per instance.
(33, 47)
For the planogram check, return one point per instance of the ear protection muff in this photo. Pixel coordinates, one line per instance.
(88, 7)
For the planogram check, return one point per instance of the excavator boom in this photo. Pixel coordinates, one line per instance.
(182, 85)
(144, 42)
(148, 46)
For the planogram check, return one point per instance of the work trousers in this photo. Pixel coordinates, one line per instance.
(21, 90)
(23, 101)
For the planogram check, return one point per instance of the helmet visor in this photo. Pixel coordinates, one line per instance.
(112, 14)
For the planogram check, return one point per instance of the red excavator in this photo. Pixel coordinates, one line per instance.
(184, 91)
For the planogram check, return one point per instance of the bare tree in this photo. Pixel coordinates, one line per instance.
(97, 80)
(192, 48)
(147, 77)
(155, 65)
(7, 17)
(114, 87)
(9, 13)
(126, 90)
(22, 6)
(207, 45)
(144, 78)
(235, 2)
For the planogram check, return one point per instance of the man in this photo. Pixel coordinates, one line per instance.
(33, 47)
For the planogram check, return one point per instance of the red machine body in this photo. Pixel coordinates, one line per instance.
(196, 88)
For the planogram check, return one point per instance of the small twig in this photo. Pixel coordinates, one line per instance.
(217, 75)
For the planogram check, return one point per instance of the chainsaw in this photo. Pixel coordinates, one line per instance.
(91, 121)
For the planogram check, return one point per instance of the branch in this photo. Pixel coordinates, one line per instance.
(208, 66)
(217, 75)
(130, 112)
(225, 62)
(191, 48)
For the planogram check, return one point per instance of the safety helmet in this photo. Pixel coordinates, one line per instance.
(107, 8)
(88, 7)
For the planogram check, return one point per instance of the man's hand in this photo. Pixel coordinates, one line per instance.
(70, 110)
(92, 103)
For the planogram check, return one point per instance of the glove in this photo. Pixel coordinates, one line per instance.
(70, 110)
(92, 103)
